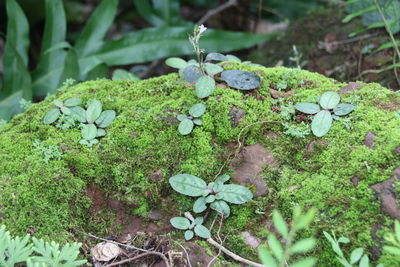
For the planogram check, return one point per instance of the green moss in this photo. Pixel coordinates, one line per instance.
(143, 139)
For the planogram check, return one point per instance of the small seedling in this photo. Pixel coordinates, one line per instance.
(357, 256)
(191, 225)
(48, 152)
(187, 123)
(217, 194)
(61, 107)
(322, 121)
(393, 239)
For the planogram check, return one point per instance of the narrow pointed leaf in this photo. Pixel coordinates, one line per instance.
(303, 246)
(71, 67)
(280, 223)
(189, 185)
(266, 258)
(275, 246)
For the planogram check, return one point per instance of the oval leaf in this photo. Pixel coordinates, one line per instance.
(197, 110)
(275, 247)
(93, 111)
(185, 127)
(180, 223)
(197, 122)
(307, 262)
(266, 258)
(222, 207)
(242, 80)
(204, 86)
(176, 62)
(235, 194)
(233, 58)
(343, 109)
(189, 234)
(89, 131)
(364, 262)
(200, 205)
(65, 110)
(356, 255)
(72, 102)
(210, 199)
(51, 116)
(308, 108)
(222, 178)
(79, 113)
(329, 100)
(101, 132)
(199, 220)
(189, 185)
(217, 57)
(303, 246)
(321, 123)
(181, 117)
(192, 73)
(105, 118)
(58, 103)
(212, 69)
(202, 231)
(280, 223)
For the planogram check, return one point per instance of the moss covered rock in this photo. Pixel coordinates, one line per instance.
(143, 148)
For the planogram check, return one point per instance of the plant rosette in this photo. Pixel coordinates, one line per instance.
(325, 112)
(191, 225)
(187, 123)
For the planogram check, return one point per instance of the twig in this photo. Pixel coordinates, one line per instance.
(187, 255)
(220, 240)
(134, 258)
(216, 10)
(233, 255)
(132, 247)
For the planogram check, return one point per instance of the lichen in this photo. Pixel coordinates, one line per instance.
(143, 139)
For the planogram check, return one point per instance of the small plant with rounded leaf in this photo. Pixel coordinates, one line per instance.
(187, 123)
(281, 253)
(66, 107)
(216, 194)
(326, 111)
(191, 225)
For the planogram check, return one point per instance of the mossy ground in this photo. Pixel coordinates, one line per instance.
(51, 199)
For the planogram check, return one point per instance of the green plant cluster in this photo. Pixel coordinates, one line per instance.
(36, 252)
(48, 152)
(187, 122)
(92, 121)
(91, 56)
(322, 121)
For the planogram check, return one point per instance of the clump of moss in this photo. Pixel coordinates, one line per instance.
(143, 140)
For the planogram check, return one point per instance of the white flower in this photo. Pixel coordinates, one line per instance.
(202, 29)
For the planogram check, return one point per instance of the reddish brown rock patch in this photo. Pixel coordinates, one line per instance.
(97, 197)
(352, 86)
(369, 140)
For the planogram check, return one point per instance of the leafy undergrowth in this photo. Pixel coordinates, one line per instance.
(51, 198)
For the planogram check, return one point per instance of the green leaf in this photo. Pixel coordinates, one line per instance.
(80, 113)
(235, 194)
(121, 74)
(212, 69)
(192, 73)
(344, 240)
(205, 86)
(71, 67)
(217, 57)
(275, 247)
(364, 262)
(358, 13)
(307, 262)
(222, 178)
(197, 110)
(303, 246)
(93, 110)
(343, 109)
(280, 223)
(180, 223)
(200, 205)
(181, 117)
(96, 28)
(105, 118)
(305, 220)
(233, 58)
(189, 185)
(51, 116)
(176, 62)
(308, 108)
(329, 100)
(202, 231)
(189, 234)
(197, 122)
(392, 250)
(210, 199)
(58, 103)
(266, 257)
(185, 127)
(47, 75)
(321, 123)
(241, 80)
(397, 230)
(222, 207)
(58, 46)
(356, 255)
(65, 110)
(72, 102)
(101, 132)
(89, 131)
(329, 237)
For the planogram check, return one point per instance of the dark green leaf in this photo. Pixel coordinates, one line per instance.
(202, 231)
(180, 223)
(145, 9)
(89, 131)
(212, 69)
(97, 72)
(61, 45)
(185, 127)
(216, 57)
(200, 205)
(329, 100)
(308, 108)
(197, 110)
(51, 116)
(241, 80)
(188, 185)
(321, 123)
(192, 73)
(205, 86)
(96, 28)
